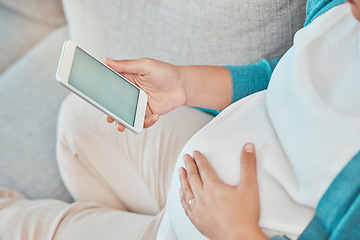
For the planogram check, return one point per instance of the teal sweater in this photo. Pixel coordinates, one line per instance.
(337, 215)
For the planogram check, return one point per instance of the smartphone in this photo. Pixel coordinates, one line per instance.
(102, 87)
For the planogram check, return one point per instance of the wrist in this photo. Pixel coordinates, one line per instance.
(183, 77)
(206, 86)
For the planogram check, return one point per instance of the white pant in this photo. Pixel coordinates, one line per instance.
(120, 181)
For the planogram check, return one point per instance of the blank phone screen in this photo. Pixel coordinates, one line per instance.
(105, 87)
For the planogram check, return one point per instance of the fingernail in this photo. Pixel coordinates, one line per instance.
(250, 148)
(180, 193)
(179, 172)
(156, 117)
(109, 59)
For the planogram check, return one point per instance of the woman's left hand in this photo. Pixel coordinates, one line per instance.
(218, 210)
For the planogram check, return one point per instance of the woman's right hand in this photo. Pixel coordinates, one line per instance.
(163, 83)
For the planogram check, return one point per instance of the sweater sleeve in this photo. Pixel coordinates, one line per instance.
(248, 79)
(251, 78)
(315, 8)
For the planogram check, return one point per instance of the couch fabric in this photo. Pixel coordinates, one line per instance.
(29, 102)
(181, 32)
(23, 23)
(47, 12)
(186, 32)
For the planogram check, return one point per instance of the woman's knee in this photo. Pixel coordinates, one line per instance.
(69, 114)
(69, 128)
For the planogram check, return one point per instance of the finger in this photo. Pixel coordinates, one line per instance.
(149, 121)
(193, 175)
(138, 66)
(109, 119)
(248, 164)
(120, 127)
(207, 172)
(186, 206)
(186, 189)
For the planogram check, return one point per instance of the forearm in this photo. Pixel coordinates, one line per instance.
(216, 87)
(207, 86)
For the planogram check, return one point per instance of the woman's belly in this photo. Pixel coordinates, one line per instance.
(221, 142)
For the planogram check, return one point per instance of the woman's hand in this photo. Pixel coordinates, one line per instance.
(218, 210)
(169, 86)
(161, 81)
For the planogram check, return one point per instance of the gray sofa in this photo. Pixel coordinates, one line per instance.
(180, 32)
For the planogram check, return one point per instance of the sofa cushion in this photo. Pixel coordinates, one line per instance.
(29, 101)
(46, 11)
(18, 35)
(186, 32)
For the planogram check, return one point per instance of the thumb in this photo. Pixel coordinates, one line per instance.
(248, 164)
(136, 66)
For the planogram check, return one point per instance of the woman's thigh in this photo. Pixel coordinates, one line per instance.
(121, 170)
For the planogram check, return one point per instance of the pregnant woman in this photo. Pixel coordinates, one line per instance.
(305, 126)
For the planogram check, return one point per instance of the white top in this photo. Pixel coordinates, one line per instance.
(306, 127)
